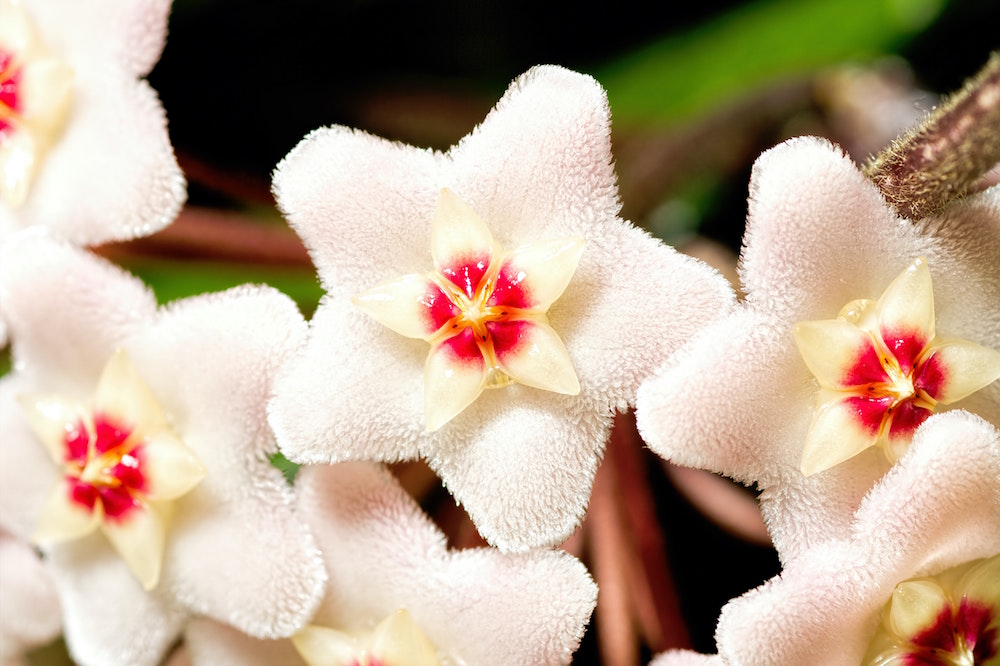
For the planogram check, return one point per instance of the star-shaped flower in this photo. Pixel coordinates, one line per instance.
(820, 241)
(94, 435)
(537, 173)
(482, 310)
(887, 586)
(396, 590)
(882, 371)
(83, 141)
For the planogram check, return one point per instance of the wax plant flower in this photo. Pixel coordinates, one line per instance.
(913, 580)
(83, 140)
(29, 614)
(136, 453)
(486, 309)
(857, 326)
(398, 596)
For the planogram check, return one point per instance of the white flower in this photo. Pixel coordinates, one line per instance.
(91, 438)
(395, 588)
(938, 508)
(820, 241)
(535, 178)
(83, 140)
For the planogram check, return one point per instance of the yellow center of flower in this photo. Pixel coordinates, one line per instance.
(120, 466)
(35, 93)
(952, 619)
(483, 311)
(395, 641)
(882, 371)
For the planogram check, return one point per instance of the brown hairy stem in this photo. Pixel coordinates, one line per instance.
(940, 160)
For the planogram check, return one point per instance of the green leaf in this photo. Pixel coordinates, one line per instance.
(684, 75)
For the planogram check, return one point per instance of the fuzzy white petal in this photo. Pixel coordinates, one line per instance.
(937, 508)
(479, 605)
(29, 614)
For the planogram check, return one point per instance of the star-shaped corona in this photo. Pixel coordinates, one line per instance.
(952, 619)
(396, 641)
(482, 310)
(120, 467)
(883, 371)
(35, 96)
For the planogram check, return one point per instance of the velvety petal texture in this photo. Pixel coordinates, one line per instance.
(234, 549)
(110, 172)
(29, 612)
(538, 170)
(739, 399)
(383, 554)
(937, 508)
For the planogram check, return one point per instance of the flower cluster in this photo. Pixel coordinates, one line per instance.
(488, 311)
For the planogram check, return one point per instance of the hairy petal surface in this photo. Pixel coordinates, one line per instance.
(537, 171)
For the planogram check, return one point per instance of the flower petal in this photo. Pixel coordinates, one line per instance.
(67, 515)
(19, 156)
(323, 646)
(216, 643)
(839, 354)
(121, 393)
(413, 306)
(105, 607)
(169, 467)
(957, 369)
(139, 537)
(455, 374)
(532, 354)
(534, 276)
(398, 640)
(925, 515)
(906, 314)
(57, 422)
(30, 613)
(461, 243)
(476, 606)
(842, 427)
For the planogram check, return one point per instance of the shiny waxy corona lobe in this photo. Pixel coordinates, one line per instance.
(482, 310)
(120, 466)
(883, 371)
(952, 619)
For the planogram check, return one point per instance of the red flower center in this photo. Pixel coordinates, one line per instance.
(105, 465)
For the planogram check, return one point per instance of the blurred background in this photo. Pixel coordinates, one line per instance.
(697, 91)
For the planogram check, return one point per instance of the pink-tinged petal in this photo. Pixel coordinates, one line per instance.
(322, 646)
(123, 396)
(906, 314)
(59, 424)
(461, 243)
(686, 658)
(476, 606)
(68, 330)
(937, 508)
(398, 640)
(169, 467)
(138, 535)
(29, 615)
(454, 375)
(532, 353)
(534, 276)
(105, 607)
(842, 427)
(71, 512)
(956, 369)
(413, 306)
(839, 354)
(210, 642)
(541, 160)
